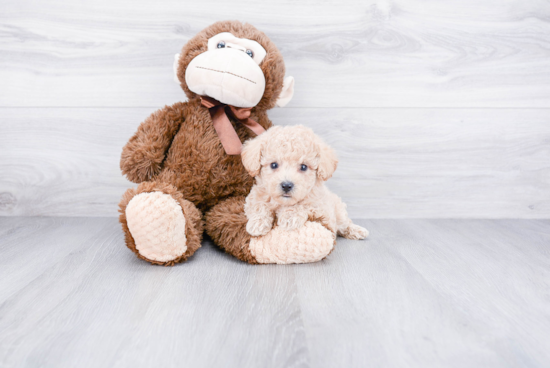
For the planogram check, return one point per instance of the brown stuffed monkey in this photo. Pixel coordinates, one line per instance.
(185, 157)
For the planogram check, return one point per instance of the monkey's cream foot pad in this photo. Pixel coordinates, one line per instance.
(157, 224)
(310, 243)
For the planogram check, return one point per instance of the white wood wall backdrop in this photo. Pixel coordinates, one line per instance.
(393, 163)
(437, 108)
(368, 53)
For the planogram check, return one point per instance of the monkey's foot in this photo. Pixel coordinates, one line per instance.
(310, 243)
(157, 224)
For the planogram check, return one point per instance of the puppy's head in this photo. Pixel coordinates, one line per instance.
(288, 162)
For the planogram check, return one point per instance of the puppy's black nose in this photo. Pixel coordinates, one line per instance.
(287, 186)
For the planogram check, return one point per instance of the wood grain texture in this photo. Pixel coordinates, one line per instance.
(437, 108)
(432, 293)
(374, 53)
(89, 302)
(417, 293)
(394, 163)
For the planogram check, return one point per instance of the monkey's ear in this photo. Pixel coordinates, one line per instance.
(327, 161)
(175, 66)
(251, 154)
(286, 93)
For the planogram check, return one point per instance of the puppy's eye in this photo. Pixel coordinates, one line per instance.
(274, 165)
(221, 44)
(250, 53)
(303, 167)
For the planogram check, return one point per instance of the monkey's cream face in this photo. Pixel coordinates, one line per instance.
(229, 71)
(289, 169)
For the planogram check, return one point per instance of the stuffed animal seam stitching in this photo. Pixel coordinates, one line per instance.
(220, 71)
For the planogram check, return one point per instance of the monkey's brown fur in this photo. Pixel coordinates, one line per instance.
(177, 151)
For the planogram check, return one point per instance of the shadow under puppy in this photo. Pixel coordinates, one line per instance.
(290, 165)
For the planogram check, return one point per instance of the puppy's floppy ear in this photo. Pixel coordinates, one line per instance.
(327, 161)
(251, 154)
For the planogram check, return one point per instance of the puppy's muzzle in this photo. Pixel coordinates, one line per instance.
(287, 186)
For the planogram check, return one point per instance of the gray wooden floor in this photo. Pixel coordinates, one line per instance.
(418, 293)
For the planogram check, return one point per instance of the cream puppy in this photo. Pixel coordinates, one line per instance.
(290, 165)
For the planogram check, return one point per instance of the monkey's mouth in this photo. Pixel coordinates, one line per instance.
(225, 72)
(229, 76)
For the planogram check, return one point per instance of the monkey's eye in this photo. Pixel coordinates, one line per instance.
(250, 53)
(221, 44)
(303, 167)
(274, 165)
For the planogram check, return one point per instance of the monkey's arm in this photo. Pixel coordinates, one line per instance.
(143, 155)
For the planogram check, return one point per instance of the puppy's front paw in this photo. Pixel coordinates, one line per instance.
(287, 221)
(355, 232)
(258, 227)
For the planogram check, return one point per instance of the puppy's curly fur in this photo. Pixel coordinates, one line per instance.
(290, 165)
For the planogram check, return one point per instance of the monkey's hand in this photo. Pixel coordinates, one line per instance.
(143, 155)
(292, 217)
